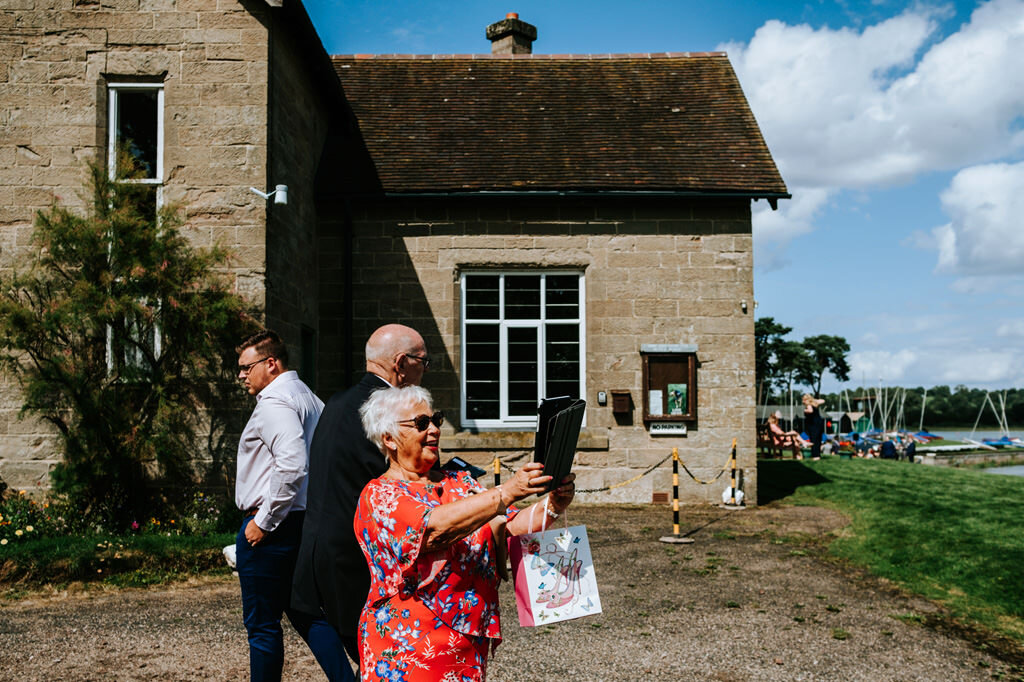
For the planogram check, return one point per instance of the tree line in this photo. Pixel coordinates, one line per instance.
(785, 367)
(944, 407)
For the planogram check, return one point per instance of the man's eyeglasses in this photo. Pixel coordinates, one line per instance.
(422, 421)
(425, 359)
(244, 369)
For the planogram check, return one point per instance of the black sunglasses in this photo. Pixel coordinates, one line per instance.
(422, 421)
(245, 369)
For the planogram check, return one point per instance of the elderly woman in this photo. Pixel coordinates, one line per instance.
(431, 539)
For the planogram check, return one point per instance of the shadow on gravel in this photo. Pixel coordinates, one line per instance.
(777, 479)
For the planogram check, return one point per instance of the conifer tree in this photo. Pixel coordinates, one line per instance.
(120, 334)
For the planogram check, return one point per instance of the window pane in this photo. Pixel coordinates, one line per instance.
(482, 386)
(142, 197)
(522, 297)
(137, 127)
(562, 297)
(482, 297)
(522, 372)
(562, 360)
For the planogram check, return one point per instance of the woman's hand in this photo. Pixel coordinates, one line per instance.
(562, 496)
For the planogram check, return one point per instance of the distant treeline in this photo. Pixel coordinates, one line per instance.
(945, 406)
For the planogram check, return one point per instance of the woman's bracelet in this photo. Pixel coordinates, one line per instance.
(502, 505)
(552, 513)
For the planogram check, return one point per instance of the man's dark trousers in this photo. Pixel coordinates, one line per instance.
(265, 573)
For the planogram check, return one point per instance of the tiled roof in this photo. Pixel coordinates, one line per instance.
(674, 122)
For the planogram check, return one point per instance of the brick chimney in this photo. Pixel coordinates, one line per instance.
(511, 36)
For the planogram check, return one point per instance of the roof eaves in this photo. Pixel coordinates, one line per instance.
(752, 194)
(559, 57)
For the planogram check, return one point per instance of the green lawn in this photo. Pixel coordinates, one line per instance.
(953, 535)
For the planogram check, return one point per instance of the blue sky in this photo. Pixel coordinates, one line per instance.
(898, 127)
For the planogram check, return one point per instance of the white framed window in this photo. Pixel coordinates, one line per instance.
(135, 125)
(522, 340)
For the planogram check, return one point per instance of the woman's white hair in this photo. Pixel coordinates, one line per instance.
(380, 411)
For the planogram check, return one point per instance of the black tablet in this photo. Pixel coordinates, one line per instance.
(558, 431)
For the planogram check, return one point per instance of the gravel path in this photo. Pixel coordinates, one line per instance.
(737, 604)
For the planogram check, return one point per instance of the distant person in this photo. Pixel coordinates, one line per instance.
(888, 449)
(814, 423)
(860, 446)
(785, 439)
(331, 576)
(910, 449)
(270, 489)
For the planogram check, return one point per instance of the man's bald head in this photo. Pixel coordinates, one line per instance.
(397, 354)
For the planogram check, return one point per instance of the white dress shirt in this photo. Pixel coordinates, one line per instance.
(273, 453)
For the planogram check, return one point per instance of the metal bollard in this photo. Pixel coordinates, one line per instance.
(734, 500)
(675, 538)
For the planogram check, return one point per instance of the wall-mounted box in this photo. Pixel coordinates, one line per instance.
(622, 402)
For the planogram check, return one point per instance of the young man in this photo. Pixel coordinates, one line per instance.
(270, 489)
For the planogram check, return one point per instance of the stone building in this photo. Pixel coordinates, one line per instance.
(552, 224)
(217, 97)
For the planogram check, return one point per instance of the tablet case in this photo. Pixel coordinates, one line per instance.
(558, 431)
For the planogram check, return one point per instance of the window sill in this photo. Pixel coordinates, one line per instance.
(590, 439)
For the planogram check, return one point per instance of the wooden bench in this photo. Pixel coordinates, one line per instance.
(772, 446)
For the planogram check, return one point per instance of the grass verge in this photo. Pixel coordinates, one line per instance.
(951, 535)
(124, 561)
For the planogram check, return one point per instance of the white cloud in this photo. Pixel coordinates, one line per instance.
(938, 365)
(984, 235)
(887, 366)
(979, 366)
(773, 229)
(1014, 328)
(844, 109)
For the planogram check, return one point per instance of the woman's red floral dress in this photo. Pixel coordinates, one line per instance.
(429, 615)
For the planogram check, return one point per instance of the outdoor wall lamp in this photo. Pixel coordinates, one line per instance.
(280, 194)
(743, 306)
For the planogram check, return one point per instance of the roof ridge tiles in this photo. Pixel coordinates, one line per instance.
(582, 57)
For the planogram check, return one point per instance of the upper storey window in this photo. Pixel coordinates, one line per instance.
(136, 129)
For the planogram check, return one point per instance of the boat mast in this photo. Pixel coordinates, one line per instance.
(924, 399)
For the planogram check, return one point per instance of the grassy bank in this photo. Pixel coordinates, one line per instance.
(952, 535)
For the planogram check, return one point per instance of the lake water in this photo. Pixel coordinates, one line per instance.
(1017, 470)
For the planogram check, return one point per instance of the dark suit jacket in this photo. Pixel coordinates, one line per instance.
(331, 571)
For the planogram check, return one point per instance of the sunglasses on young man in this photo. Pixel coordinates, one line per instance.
(421, 422)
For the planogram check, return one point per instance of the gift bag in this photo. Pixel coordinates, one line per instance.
(553, 574)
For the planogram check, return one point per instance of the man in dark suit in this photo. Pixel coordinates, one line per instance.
(331, 577)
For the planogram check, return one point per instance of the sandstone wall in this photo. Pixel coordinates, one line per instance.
(56, 60)
(658, 271)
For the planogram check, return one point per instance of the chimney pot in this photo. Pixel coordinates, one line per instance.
(511, 35)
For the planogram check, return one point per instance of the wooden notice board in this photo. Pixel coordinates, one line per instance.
(669, 386)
